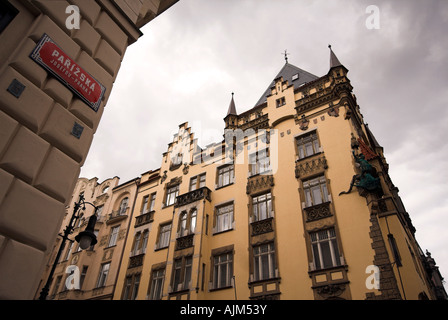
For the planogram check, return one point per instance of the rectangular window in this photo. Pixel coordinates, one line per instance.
(325, 249)
(113, 236)
(261, 207)
(127, 288)
(69, 251)
(226, 175)
(99, 212)
(281, 102)
(224, 217)
(316, 191)
(307, 145)
(83, 276)
(152, 200)
(131, 287)
(102, 277)
(171, 194)
(193, 183)
(140, 242)
(164, 236)
(145, 205)
(197, 182)
(182, 273)
(135, 286)
(157, 284)
(222, 270)
(259, 162)
(394, 247)
(264, 261)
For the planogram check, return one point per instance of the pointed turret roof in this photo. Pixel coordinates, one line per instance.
(232, 109)
(334, 61)
(293, 74)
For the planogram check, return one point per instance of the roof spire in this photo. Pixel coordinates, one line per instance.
(334, 61)
(286, 55)
(232, 109)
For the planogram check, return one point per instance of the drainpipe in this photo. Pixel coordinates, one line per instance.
(200, 244)
(137, 181)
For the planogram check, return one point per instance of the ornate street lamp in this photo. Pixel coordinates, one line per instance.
(85, 238)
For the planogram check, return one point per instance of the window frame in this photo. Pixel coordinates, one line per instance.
(217, 271)
(172, 192)
(225, 175)
(164, 235)
(301, 145)
(103, 275)
(331, 242)
(157, 281)
(187, 222)
(181, 273)
(131, 286)
(257, 204)
(197, 182)
(219, 215)
(259, 266)
(310, 186)
(113, 236)
(259, 165)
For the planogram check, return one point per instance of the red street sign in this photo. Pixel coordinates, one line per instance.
(67, 71)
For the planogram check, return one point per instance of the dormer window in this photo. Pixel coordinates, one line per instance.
(295, 77)
(280, 102)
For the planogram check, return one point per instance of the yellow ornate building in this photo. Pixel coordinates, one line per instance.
(294, 203)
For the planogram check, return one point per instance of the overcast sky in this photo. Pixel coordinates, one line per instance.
(194, 55)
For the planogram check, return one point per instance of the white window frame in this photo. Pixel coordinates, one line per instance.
(218, 271)
(318, 238)
(258, 203)
(260, 266)
(224, 217)
(113, 237)
(102, 277)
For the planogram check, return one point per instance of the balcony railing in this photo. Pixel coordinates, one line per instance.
(262, 226)
(144, 219)
(192, 196)
(184, 242)
(118, 215)
(318, 211)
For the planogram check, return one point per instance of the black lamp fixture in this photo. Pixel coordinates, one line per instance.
(86, 238)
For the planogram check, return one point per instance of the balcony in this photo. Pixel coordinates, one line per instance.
(192, 196)
(262, 226)
(116, 216)
(136, 260)
(144, 219)
(184, 242)
(318, 211)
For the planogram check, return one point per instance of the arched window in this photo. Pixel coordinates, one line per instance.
(193, 217)
(123, 206)
(187, 222)
(183, 224)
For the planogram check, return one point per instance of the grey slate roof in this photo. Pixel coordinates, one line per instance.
(287, 72)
